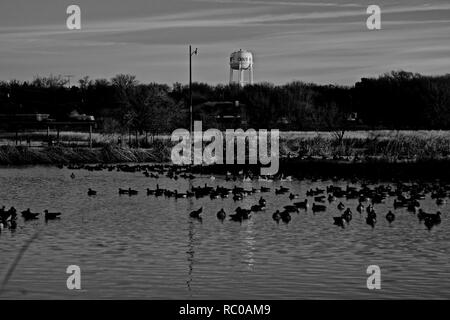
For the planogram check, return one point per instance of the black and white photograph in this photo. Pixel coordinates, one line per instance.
(224, 150)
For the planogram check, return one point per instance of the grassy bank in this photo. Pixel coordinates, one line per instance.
(401, 146)
(12, 155)
(388, 146)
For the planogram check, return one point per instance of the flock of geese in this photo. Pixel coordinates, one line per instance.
(405, 196)
(8, 218)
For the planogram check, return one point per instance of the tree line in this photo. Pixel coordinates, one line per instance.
(396, 100)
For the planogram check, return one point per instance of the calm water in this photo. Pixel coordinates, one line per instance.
(147, 247)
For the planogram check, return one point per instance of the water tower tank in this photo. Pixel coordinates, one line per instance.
(241, 60)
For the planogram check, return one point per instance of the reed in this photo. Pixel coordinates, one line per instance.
(19, 155)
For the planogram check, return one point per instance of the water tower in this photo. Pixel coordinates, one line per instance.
(241, 61)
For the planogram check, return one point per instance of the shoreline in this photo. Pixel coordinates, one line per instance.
(301, 167)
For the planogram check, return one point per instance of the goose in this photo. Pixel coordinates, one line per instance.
(360, 207)
(276, 216)
(341, 206)
(257, 207)
(318, 207)
(265, 189)
(319, 198)
(72, 175)
(221, 215)
(285, 216)
(238, 197)
(196, 213)
(293, 196)
(13, 225)
(435, 218)
(371, 221)
(339, 221)
(331, 198)
(51, 215)
(28, 215)
(390, 217)
(262, 201)
(288, 178)
(291, 209)
(302, 204)
(91, 192)
(132, 192)
(179, 195)
(347, 215)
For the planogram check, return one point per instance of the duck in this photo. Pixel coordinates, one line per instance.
(221, 215)
(196, 213)
(91, 192)
(51, 215)
(390, 217)
(28, 215)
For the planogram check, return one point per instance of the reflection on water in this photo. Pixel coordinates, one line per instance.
(148, 247)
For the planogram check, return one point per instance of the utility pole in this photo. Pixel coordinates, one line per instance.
(191, 53)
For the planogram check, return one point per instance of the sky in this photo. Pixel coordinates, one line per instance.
(311, 41)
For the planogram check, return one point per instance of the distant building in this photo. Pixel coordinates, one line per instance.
(221, 114)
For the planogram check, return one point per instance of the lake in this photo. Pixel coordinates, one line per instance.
(148, 247)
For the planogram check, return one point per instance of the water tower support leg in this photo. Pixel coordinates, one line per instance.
(231, 76)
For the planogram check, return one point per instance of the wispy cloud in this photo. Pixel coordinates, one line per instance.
(307, 39)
